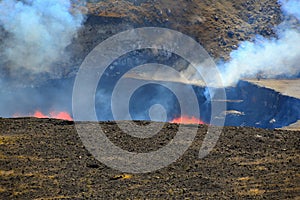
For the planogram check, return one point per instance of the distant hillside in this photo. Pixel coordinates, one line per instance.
(218, 25)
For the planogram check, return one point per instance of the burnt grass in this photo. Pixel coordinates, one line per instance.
(45, 159)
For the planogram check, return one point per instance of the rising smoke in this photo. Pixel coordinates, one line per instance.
(268, 57)
(291, 7)
(38, 32)
(34, 37)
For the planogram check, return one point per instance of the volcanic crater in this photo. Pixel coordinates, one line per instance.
(254, 158)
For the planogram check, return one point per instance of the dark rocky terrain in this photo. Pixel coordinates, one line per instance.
(45, 159)
(218, 25)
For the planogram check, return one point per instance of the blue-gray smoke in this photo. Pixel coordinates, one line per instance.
(35, 34)
(291, 7)
(268, 57)
(38, 32)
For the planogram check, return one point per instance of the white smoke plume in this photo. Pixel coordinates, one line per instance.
(291, 7)
(38, 32)
(268, 57)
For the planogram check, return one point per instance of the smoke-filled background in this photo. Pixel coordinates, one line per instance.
(35, 36)
(38, 33)
(268, 57)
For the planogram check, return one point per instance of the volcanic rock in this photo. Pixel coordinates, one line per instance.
(45, 159)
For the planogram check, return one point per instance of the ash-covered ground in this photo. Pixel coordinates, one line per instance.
(45, 159)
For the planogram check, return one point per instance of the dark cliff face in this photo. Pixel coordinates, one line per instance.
(247, 104)
(262, 107)
(218, 26)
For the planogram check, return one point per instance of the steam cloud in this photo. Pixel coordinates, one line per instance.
(38, 30)
(269, 57)
(291, 7)
(35, 34)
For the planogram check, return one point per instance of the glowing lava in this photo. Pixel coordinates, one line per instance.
(53, 114)
(56, 115)
(39, 114)
(187, 120)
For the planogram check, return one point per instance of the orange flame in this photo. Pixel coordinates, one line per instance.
(187, 120)
(55, 115)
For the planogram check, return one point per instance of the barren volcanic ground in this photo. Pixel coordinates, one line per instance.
(45, 159)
